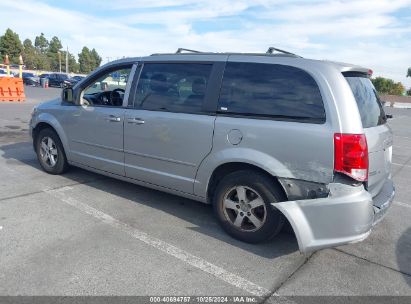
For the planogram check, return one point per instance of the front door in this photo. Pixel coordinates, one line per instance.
(168, 132)
(96, 125)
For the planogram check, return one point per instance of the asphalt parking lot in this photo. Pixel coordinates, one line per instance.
(86, 234)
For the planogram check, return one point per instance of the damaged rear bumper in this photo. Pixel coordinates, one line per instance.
(345, 216)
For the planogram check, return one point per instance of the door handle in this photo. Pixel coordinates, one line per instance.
(114, 118)
(137, 121)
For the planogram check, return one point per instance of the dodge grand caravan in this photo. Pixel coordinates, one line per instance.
(265, 138)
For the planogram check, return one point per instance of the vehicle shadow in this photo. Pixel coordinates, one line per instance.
(403, 252)
(198, 214)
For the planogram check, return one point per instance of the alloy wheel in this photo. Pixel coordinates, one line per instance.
(244, 208)
(48, 151)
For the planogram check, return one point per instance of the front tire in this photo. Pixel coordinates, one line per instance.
(50, 152)
(242, 204)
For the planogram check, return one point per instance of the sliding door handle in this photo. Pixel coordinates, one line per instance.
(113, 118)
(137, 121)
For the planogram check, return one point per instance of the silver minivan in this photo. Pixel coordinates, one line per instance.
(265, 138)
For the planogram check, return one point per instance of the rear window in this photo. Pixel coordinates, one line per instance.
(271, 90)
(369, 105)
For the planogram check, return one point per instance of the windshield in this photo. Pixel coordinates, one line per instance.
(369, 104)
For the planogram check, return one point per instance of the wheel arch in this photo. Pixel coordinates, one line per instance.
(230, 167)
(48, 121)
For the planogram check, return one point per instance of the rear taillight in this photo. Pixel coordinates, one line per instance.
(351, 155)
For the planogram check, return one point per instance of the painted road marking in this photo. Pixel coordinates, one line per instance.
(408, 166)
(406, 137)
(401, 147)
(402, 204)
(169, 249)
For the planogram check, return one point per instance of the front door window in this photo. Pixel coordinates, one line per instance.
(107, 90)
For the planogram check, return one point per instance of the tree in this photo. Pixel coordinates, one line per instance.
(388, 86)
(409, 72)
(72, 62)
(55, 45)
(84, 59)
(88, 60)
(42, 61)
(33, 58)
(54, 53)
(41, 43)
(397, 89)
(96, 58)
(382, 85)
(10, 44)
(29, 55)
(46, 55)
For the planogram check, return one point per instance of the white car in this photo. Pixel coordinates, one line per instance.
(3, 73)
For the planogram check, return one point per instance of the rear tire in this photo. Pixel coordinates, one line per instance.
(242, 204)
(50, 152)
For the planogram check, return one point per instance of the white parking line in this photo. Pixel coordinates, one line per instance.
(401, 147)
(406, 137)
(169, 249)
(402, 204)
(408, 166)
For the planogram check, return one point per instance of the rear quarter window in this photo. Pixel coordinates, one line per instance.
(272, 91)
(369, 105)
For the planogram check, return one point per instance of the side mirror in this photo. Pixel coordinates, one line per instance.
(67, 95)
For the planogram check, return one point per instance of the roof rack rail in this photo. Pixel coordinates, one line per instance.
(272, 49)
(180, 50)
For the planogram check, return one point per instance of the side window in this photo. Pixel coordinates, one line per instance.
(270, 90)
(108, 89)
(175, 87)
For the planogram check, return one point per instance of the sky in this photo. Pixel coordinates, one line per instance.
(372, 33)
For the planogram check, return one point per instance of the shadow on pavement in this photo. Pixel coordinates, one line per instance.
(198, 214)
(403, 252)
